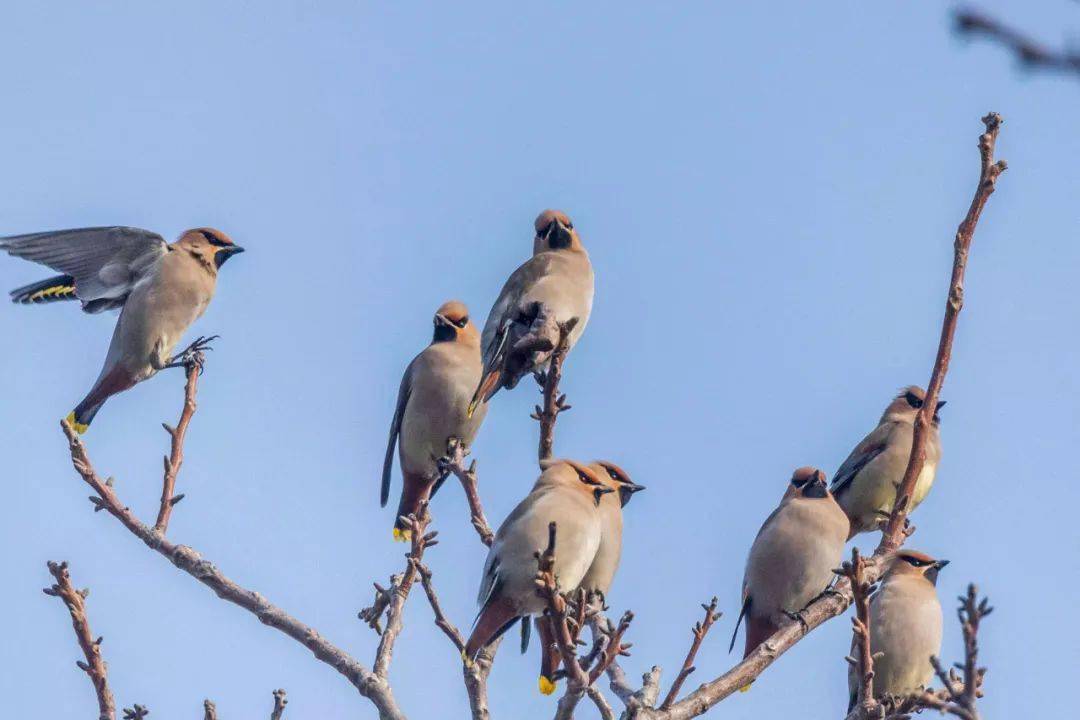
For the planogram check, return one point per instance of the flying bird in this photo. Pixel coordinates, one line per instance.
(567, 493)
(602, 571)
(554, 287)
(792, 559)
(866, 483)
(905, 627)
(432, 408)
(159, 288)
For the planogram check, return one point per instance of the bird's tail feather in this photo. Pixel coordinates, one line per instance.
(61, 287)
(495, 618)
(114, 381)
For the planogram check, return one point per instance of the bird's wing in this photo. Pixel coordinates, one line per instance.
(506, 306)
(395, 429)
(871, 446)
(105, 262)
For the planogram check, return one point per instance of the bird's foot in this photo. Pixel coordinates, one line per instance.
(799, 616)
(191, 358)
(456, 452)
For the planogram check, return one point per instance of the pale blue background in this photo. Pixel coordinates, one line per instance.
(769, 196)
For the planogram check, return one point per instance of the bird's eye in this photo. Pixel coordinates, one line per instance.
(542, 232)
(569, 225)
(462, 322)
(614, 475)
(916, 562)
(213, 239)
(913, 400)
(798, 482)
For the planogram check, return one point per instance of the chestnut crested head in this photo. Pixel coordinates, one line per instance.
(555, 231)
(915, 563)
(907, 404)
(210, 246)
(807, 482)
(617, 479)
(452, 323)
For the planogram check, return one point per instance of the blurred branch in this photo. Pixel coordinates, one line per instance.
(94, 666)
(553, 402)
(209, 710)
(280, 701)
(1031, 54)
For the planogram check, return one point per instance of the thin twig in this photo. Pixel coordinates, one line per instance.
(441, 620)
(136, 712)
(94, 666)
(553, 402)
(989, 171)
(209, 710)
(280, 701)
(176, 452)
(1032, 55)
(863, 663)
(701, 629)
(455, 462)
(190, 561)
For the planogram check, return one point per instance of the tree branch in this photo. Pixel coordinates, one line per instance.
(369, 685)
(855, 572)
(837, 600)
(192, 371)
(1031, 54)
(455, 462)
(701, 629)
(94, 667)
(209, 710)
(280, 701)
(553, 403)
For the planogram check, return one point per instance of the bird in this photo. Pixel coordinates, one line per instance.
(601, 572)
(553, 288)
(905, 626)
(866, 483)
(159, 288)
(567, 493)
(431, 410)
(792, 558)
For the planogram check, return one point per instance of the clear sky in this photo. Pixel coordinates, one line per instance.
(769, 196)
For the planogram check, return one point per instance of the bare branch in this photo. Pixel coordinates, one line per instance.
(280, 701)
(989, 171)
(455, 462)
(209, 710)
(94, 666)
(176, 453)
(191, 562)
(855, 572)
(553, 403)
(1031, 54)
(701, 629)
(138, 712)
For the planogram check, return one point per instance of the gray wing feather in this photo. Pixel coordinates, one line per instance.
(106, 262)
(395, 429)
(870, 447)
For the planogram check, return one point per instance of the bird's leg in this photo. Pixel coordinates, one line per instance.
(799, 616)
(192, 355)
(456, 452)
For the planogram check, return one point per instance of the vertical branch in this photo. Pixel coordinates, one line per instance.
(855, 572)
(94, 667)
(192, 371)
(280, 701)
(700, 630)
(989, 171)
(455, 462)
(209, 710)
(553, 403)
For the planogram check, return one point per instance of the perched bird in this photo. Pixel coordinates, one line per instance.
(567, 493)
(160, 289)
(905, 626)
(602, 570)
(554, 287)
(431, 409)
(865, 485)
(793, 556)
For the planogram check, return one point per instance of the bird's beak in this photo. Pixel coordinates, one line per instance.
(559, 235)
(940, 404)
(940, 564)
(816, 488)
(225, 253)
(626, 490)
(933, 570)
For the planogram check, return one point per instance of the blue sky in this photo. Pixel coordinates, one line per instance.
(769, 195)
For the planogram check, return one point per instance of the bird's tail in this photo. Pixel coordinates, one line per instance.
(61, 287)
(549, 656)
(415, 489)
(112, 382)
(496, 617)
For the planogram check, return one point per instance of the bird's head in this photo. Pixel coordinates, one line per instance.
(617, 479)
(211, 246)
(555, 231)
(913, 562)
(907, 404)
(452, 324)
(807, 482)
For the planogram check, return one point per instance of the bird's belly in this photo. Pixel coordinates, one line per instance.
(426, 430)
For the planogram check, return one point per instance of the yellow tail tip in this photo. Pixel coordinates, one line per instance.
(546, 686)
(402, 535)
(746, 687)
(75, 424)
